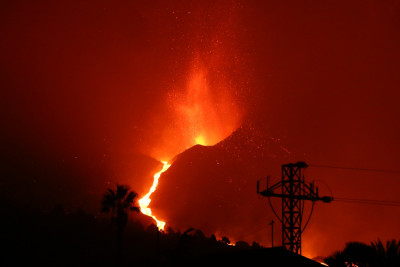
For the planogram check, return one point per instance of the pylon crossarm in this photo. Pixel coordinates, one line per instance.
(266, 193)
(275, 186)
(293, 191)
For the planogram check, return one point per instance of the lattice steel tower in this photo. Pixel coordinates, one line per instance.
(294, 191)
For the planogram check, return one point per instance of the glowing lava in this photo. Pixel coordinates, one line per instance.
(200, 140)
(144, 202)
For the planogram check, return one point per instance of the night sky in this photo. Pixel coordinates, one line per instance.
(97, 92)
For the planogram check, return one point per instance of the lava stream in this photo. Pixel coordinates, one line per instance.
(145, 201)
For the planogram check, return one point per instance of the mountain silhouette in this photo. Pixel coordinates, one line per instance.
(213, 188)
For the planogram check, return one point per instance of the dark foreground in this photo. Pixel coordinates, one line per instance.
(61, 238)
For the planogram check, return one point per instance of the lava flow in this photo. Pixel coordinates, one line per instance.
(145, 201)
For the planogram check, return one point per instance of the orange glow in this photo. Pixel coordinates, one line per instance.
(203, 113)
(206, 112)
(200, 140)
(144, 202)
(201, 110)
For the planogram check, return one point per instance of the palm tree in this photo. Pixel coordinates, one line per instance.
(119, 202)
(363, 255)
(386, 256)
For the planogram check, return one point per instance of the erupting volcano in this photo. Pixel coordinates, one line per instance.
(205, 114)
(189, 104)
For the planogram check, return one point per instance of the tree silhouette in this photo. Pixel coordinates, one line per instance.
(363, 255)
(386, 256)
(119, 203)
(225, 240)
(354, 254)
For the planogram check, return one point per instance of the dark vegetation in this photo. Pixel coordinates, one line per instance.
(76, 238)
(119, 203)
(63, 237)
(376, 254)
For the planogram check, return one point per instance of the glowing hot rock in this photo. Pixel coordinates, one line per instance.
(144, 202)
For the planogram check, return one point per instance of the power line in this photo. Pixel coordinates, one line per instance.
(369, 201)
(355, 169)
(363, 201)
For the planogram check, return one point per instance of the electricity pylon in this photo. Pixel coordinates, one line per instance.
(294, 191)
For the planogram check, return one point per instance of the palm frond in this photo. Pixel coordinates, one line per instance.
(121, 191)
(134, 208)
(129, 198)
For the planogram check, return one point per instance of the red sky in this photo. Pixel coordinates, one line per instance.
(89, 87)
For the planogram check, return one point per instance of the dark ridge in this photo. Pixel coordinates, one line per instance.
(77, 238)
